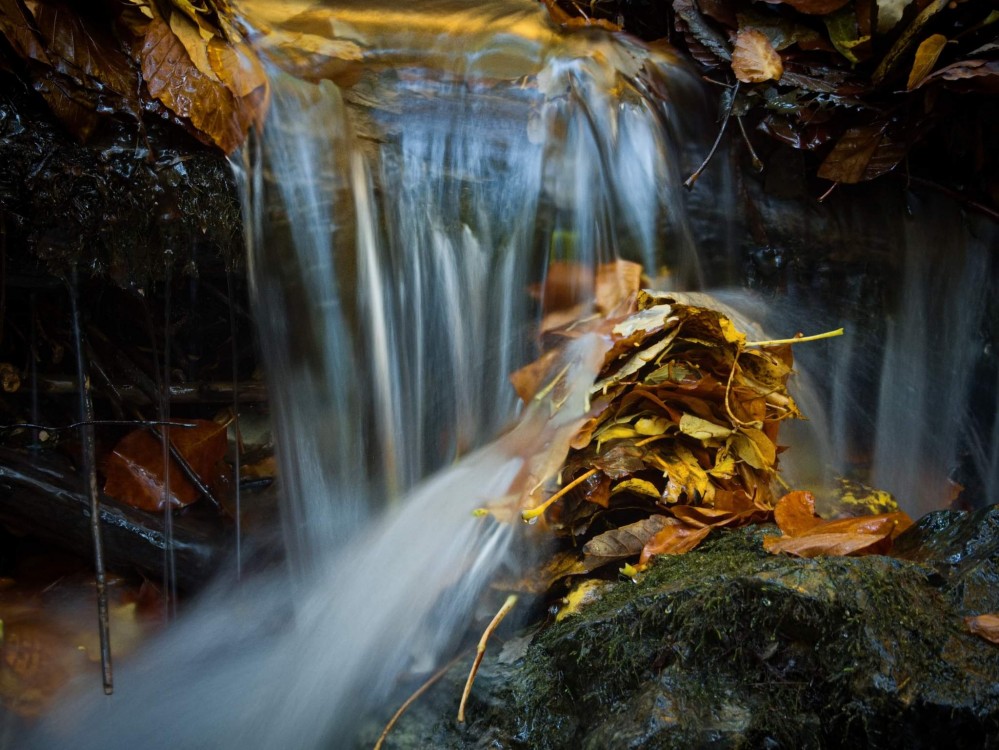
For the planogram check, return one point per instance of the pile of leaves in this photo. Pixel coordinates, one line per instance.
(184, 60)
(858, 83)
(680, 437)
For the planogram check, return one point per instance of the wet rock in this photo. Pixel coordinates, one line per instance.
(730, 647)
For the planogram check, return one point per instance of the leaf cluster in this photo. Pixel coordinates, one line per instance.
(184, 60)
(860, 83)
(680, 435)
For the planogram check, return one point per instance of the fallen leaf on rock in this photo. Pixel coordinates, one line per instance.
(623, 542)
(807, 535)
(985, 626)
(134, 470)
(675, 538)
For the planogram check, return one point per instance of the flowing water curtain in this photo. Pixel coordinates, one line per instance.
(404, 219)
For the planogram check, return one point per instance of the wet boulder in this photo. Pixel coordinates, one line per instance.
(728, 646)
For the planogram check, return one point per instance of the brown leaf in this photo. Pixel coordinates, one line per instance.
(699, 516)
(171, 77)
(970, 75)
(623, 542)
(862, 153)
(134, 470)
(985, 626)
(81, 49)
(675, 538)
(875, 542)
(754, 59)
(927, 55)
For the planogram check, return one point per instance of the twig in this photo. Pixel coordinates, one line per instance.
(689, 182)
(527, 515)
(480, 650)
(93, 423)
(430, 682)
(956, 195)
(798, 339)
(250, 391)
(827, 193)
(235, 415)
(88, 442)
(757, 161)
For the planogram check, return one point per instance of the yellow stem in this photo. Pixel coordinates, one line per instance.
(798, 339)
(527, 515)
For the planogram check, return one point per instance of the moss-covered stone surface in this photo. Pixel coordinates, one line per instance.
(729, 647)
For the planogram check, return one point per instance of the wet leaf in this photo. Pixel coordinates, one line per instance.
(862, 153)
(134, 470)
(638, 487)
(713, 42)
(844, 33)
(807, 535)
(985, 626)
(216, 114)
(623, 542)
(754, 60)
(795, 513)
(675, 538)
(971, 75)
(927, 55)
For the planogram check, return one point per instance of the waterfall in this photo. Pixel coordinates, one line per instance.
(400, 230)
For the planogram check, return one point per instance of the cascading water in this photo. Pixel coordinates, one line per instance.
(395, 229)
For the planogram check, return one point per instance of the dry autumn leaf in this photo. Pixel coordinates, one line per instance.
(675, 538)
(754, 59)
(134, 470)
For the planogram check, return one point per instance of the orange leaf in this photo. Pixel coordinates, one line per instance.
(807, 535)
(675, 538)
(795, 513)
(754, 59)
(986, 626)
(616, 282)
(697, 516)
(134, 470)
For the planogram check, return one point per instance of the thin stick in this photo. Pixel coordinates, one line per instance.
(480, 650)
(236, 432)
(433, 680)
(93, 423)
(757, 161)
(798, 339)
(689, 182)
(88, 442)
(527, 515)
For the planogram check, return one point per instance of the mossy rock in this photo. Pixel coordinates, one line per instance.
(730, 647)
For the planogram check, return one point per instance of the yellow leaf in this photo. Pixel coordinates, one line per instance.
(702, 429)
(754, 60)
(638, 486)
(188, 34)
(927, 55)
(652, 426)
